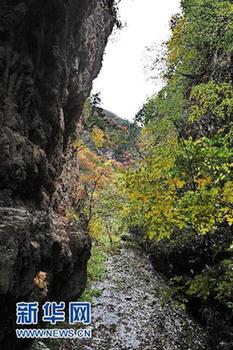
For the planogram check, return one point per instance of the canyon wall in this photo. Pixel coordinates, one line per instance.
(50, 52)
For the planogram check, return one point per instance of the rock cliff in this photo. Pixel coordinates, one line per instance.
(50, 52)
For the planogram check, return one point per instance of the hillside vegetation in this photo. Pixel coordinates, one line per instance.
(180, 198)
(107, 147)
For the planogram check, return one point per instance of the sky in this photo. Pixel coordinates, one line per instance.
(123, 80)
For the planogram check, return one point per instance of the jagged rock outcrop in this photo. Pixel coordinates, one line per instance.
(50, 52)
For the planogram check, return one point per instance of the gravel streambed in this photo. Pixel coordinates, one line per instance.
(129, 313)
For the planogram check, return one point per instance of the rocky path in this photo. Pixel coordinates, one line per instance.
(129, 313)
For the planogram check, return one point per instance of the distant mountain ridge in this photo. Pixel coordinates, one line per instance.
(112, 115)
(120, 135)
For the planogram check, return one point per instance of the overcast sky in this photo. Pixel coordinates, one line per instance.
(122, 82)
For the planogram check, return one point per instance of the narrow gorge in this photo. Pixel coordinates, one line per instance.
(131, 217)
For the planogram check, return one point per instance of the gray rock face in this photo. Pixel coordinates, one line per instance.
(50, 52)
